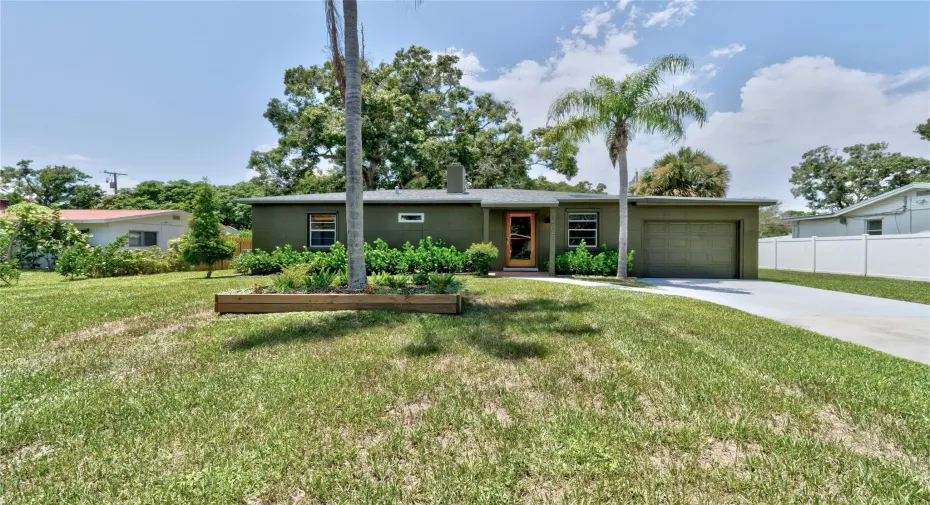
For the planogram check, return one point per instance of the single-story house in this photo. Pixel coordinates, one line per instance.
(899, 211)
(146, 228)
(672, 236)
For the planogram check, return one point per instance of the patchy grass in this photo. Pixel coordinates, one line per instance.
(132, 391)
(895, 289)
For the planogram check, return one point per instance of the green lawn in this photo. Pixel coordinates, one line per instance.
(132, 391)
(895, 289)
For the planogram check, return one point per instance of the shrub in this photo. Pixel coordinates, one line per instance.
(580, 261)
(113, 260)
(9, 265)
(421, 278)
(481, 257)
(441, 283)
(399, 281)
(427, 256)
(320, 280)
(290, 279)
(382, 279)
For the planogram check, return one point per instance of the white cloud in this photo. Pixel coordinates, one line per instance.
(76, 157)
(531, 86)
(594, 19)
(729, 51)
(623, 3)
(709, 70)
(674, 13)
(792, 107)
(265, 147)
(909, 76)
(468, 62)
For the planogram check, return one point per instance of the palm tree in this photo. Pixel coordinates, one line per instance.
(347, 71)
(618, 109)
(689, 172)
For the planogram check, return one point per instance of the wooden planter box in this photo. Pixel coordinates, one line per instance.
(267, 303)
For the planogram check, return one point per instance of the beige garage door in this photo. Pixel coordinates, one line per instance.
(690, 249)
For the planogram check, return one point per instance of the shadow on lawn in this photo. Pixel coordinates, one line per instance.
(497, 327)
(505, 328)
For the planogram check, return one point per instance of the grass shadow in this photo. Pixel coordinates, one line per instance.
(329, 326)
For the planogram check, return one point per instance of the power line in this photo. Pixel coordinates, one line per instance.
(113, 182)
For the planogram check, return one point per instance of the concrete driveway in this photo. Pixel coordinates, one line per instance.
(898, 328)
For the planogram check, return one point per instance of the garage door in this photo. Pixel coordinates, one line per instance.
(690, 249)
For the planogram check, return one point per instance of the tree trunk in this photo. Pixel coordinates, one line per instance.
(209, 270)
(354, 186)
(624, 212)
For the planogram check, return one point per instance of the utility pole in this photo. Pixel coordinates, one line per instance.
(113, 182)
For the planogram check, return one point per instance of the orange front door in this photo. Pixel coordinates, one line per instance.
(521, 239)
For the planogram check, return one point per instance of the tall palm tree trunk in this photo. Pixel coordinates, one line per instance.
(354, 186)
(624, 212)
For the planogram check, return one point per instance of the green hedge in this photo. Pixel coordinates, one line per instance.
(113, 260)
(427, 256)
(580, 261)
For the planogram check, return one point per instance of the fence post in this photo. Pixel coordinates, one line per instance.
(814, 263)
(865, 254)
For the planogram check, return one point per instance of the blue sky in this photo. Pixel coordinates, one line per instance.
(166, 90)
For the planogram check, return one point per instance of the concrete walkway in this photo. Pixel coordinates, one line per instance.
(898, 328)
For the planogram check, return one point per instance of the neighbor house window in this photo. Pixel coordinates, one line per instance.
(405, 217)
(923, 193)
(143, 238)
(582, 226)
(873, 227)
(322, 230)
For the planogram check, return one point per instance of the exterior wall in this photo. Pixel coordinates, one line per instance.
(901, 256)
(167, 228)
(905, 213)
(746, 217)
(462, 225)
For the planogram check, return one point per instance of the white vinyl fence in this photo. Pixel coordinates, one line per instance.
(897, 256)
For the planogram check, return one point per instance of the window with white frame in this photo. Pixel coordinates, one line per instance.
(410, 217)
(143, 238)
(322, 230)
(873, 227)
(582, 226)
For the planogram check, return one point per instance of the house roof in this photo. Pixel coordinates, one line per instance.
(106, 216)
(495, 198)
(863, 203)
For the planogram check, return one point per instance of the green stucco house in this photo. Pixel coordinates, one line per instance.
(672, 236)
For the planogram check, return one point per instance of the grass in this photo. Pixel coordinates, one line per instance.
(132, 391)
(629, 282)
(895, 289)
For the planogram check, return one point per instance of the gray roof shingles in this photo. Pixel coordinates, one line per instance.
(486, 197)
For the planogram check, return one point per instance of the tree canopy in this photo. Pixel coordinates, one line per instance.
(831, 181)
(204, 244)
(688, 172)
(417, 117)
(923, 130)
(53, 185)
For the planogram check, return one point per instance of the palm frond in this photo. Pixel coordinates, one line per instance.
(576, 102)
(646, 81)
(664, 114)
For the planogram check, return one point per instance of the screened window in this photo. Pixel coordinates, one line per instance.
(322, 230)
(143, 238)
(582, 226)
(406, 217)
(873, 227)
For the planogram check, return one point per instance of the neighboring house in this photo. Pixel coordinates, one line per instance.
(146, 228)
(902, 210)
(672, 236)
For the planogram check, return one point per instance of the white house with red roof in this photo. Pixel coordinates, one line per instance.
(145, 228)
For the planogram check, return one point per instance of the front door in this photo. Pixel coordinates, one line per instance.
(521, 239)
